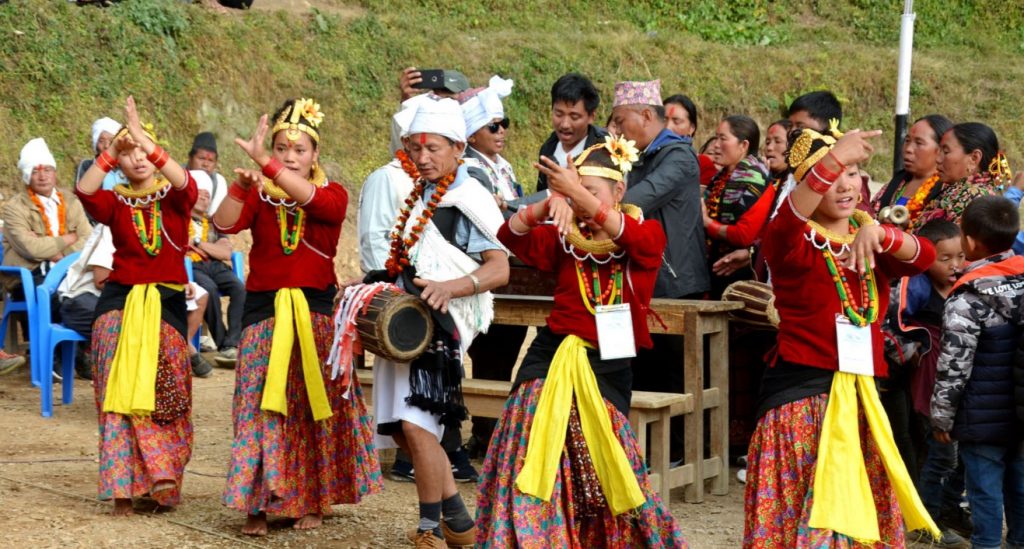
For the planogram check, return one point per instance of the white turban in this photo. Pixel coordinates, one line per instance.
(438, 115)
(486, 105)
(400, 124)
(203, 181)
(104, 124)
(34, 153)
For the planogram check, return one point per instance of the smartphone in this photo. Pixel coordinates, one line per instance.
(433, 79)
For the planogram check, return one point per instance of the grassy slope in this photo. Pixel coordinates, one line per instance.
(192, 69)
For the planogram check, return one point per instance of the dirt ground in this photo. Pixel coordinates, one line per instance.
(48, 471)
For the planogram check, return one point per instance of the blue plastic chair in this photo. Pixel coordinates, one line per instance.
(50, 335)
(26, 306)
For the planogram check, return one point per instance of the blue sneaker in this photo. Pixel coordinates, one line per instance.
(402, 471)
(462, 469)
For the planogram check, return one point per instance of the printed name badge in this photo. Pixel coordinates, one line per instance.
(854, 346)
(615, 331)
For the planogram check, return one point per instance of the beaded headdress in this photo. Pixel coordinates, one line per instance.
(622, 152)
(810, 147)
(304, 115)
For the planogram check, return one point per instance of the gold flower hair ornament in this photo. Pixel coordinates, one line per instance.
(303, 116)
(623, 154)
(803, 155)
(999, 168)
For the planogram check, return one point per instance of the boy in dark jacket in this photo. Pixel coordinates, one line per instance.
(913, 328)
(973, 401)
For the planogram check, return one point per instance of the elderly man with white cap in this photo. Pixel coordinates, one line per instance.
(103, 132)
(42, 224)
(445, 250)
(209, 250)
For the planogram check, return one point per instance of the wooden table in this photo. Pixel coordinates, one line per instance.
(693, 320)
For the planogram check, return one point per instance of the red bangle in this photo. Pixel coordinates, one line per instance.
(893, 239)
(273, 169)
(106, 162)
(527, 217)
(158, 157)
(602, 214)
(816, 183)
(238, 192)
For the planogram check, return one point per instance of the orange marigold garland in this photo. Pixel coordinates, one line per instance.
(192, 235)
(916, 202)
(400, 244)
(62, 217)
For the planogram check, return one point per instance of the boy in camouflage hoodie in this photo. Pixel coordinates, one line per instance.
(973, 401)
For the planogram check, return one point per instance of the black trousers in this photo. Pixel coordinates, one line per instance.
(79, 313)
(494, 356)
(219, 280)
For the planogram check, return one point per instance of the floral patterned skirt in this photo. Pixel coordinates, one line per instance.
(138, 452)
(291, 465)
(507, 517)
(780, 475)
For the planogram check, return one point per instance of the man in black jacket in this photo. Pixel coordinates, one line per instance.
(574, 102)
(665, 184)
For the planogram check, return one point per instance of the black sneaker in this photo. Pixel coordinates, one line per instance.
(462, 469)
(200, 367)
(475, 447)
(402, 471)
(948, 540)
(957, 520)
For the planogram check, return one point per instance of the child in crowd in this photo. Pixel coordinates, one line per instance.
(913, 327)
(973, 400)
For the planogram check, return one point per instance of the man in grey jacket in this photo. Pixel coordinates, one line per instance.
(665, 184)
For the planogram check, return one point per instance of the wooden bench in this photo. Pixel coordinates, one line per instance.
(486, 398)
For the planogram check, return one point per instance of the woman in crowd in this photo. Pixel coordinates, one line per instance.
(969, 165)
(540, 486)
(142, 379)
(487, 127)
(824, 471)
(918, 182)
(732, 192)
(301, 443)
(681, 115)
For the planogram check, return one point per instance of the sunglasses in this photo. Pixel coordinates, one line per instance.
(493, 126)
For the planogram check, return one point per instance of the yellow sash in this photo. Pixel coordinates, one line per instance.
(291, 314)
(131, 383)
(843, 500)
(570, 373)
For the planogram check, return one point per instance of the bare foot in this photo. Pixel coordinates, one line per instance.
(255, 525)
(309, 522)
(122, 507)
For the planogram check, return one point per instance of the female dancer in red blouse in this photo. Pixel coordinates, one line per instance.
(565, 424)
(142, 378)
(822, 470)
(302, 442)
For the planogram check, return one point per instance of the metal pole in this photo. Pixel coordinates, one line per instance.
(903, 83)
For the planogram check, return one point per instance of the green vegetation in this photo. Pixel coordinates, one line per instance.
(192, 69)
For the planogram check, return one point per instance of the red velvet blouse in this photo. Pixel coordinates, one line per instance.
(643, 244)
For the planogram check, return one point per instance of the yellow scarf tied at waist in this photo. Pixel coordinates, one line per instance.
(843, 500)
(291, 315)
(131, 383)
(570, 373)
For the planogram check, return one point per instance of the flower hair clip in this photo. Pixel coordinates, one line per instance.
(623, 152)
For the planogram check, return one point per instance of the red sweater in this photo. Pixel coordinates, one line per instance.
(643, 243)
(132, 264)
(806, 296)
(311, 265)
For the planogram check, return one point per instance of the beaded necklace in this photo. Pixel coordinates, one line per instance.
(590, 285)
(291, 236)
(867, 312)
(916, 202)
(62, 217)
(150, 197)
(400, 245)
(151, 241)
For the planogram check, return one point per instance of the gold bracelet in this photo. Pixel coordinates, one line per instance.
(476, 283)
